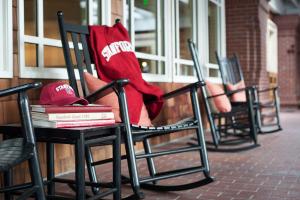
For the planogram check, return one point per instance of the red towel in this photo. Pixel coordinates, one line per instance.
(114, 58)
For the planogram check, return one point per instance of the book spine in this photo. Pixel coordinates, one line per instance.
(69, 124)
(72, 116)
(84, 123)
(65, 109)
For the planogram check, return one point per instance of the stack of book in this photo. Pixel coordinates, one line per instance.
(71, 115)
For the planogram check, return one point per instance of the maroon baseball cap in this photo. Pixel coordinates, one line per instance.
(60, 93)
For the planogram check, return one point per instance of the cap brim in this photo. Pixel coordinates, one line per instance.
(70, 101)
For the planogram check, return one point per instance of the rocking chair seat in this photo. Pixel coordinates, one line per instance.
(140, 132)
(13, 152)
(183, 123)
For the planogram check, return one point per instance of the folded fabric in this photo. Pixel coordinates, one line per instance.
(114, 58)
(220, 103)
(111, 99)
(239, 96)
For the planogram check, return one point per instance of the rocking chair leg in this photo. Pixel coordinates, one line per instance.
(277, 108)
(257, 110)
(130, 151)
(200, 134)
(91, 169)
(8, 182)
(150, 161)
(214, 132)
(133, 170)
(253, 128)
(36, 178)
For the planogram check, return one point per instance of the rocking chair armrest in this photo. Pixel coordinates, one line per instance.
(107, 89)
(20, 88)
(267, 89)
(230, 93)
(217, 95)
(183, 90)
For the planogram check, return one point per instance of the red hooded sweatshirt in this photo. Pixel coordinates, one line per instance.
(114, 58)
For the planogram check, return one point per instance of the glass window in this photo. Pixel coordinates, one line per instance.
(31, 57)
(75, 12)
(39, 35)
(214, 27)
(145, 25)
(160, 29)
(30, 17)
(185, 28)
(149, 34)
(186, 70)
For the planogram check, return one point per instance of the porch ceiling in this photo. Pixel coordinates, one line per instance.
(285, 7)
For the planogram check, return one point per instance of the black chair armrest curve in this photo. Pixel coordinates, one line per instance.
(107, 89)
(182, 90)
(20, 88)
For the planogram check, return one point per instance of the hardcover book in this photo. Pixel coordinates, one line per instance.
(76, 108)
(70, 124)
(72, 116)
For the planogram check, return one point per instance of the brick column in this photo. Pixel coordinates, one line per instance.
(246, 26)
(289, 59)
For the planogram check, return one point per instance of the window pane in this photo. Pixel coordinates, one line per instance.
(186, 70)
(152, 66)
(213, 31)
(97, 12)
(185, 27)
(30, 17)
(75, 11)
(31, 55)
(147, 38)
(53, 57)
(126, 15)
(213, 72)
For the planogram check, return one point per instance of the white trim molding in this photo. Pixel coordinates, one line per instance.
(6, 41)
(272, 47)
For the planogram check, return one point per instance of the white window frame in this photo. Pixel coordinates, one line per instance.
(41, 72)
(171, 60)
(167, 77)
(177, 60)
(272, 47)
(222, 42)
(6, 41)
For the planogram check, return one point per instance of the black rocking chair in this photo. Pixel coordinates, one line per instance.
(233, 128)
(133, 133)
(267, 115)
(18, 150)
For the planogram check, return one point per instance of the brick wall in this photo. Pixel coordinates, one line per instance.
(246, 24)
(288, 59)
